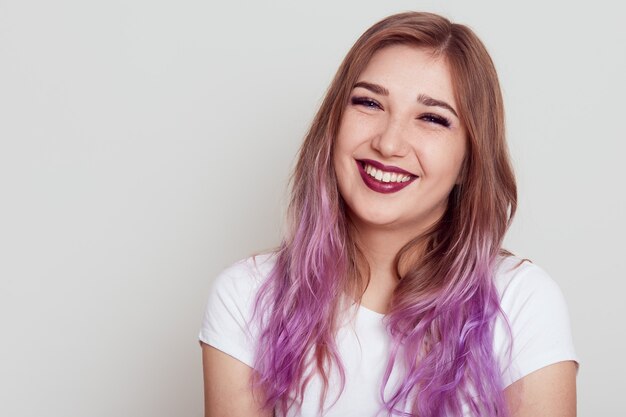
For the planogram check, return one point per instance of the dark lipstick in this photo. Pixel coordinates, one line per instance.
(380, 186)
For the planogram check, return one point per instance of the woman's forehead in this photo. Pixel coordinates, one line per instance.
(410, 70)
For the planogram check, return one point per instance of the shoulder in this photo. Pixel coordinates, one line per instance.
(227, 318)
(235, 288)
(244, 276)
(513, 274)
(519, 282)
(535, 317)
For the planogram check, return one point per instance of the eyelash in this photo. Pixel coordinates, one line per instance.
(428, 117)
(433, 118)
(366, 102)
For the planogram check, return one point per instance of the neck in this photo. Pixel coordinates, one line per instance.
(380, 249)
(380, 246)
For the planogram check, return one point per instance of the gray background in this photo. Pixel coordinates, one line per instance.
(145, 146)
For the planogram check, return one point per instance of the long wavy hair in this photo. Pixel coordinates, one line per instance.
(443, 309)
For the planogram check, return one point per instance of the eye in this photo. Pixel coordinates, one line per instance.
(365, 102)
(436, 119)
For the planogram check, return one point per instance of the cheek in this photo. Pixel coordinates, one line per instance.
(343, 140)
(340, 161)
(336, 161)
(344, 151)
(355, 129)
(443, 162)
(456, 162)
(461, 156)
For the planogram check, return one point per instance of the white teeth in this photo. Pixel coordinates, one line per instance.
(383, 176)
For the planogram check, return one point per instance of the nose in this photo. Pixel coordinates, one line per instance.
(391, 140)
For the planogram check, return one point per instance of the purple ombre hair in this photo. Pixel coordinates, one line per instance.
(443, 310)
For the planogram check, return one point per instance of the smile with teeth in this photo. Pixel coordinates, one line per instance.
(383, 176)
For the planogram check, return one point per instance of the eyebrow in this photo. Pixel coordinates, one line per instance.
(374, 88)
(429, 101)
(422, 98)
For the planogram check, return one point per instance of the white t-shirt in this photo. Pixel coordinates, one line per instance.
(531, 300)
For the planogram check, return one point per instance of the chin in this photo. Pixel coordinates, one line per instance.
(376, 220)
(394, 222)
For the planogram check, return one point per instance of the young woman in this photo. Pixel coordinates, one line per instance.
(391, 294)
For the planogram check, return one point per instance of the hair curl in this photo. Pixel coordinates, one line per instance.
(443, 309)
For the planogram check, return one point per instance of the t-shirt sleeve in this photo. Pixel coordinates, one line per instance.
(227, 318)
(539, 322)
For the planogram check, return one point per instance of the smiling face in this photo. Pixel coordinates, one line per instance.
(400, 145)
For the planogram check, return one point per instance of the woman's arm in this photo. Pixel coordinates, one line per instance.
(547, 392)
(227, 390)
